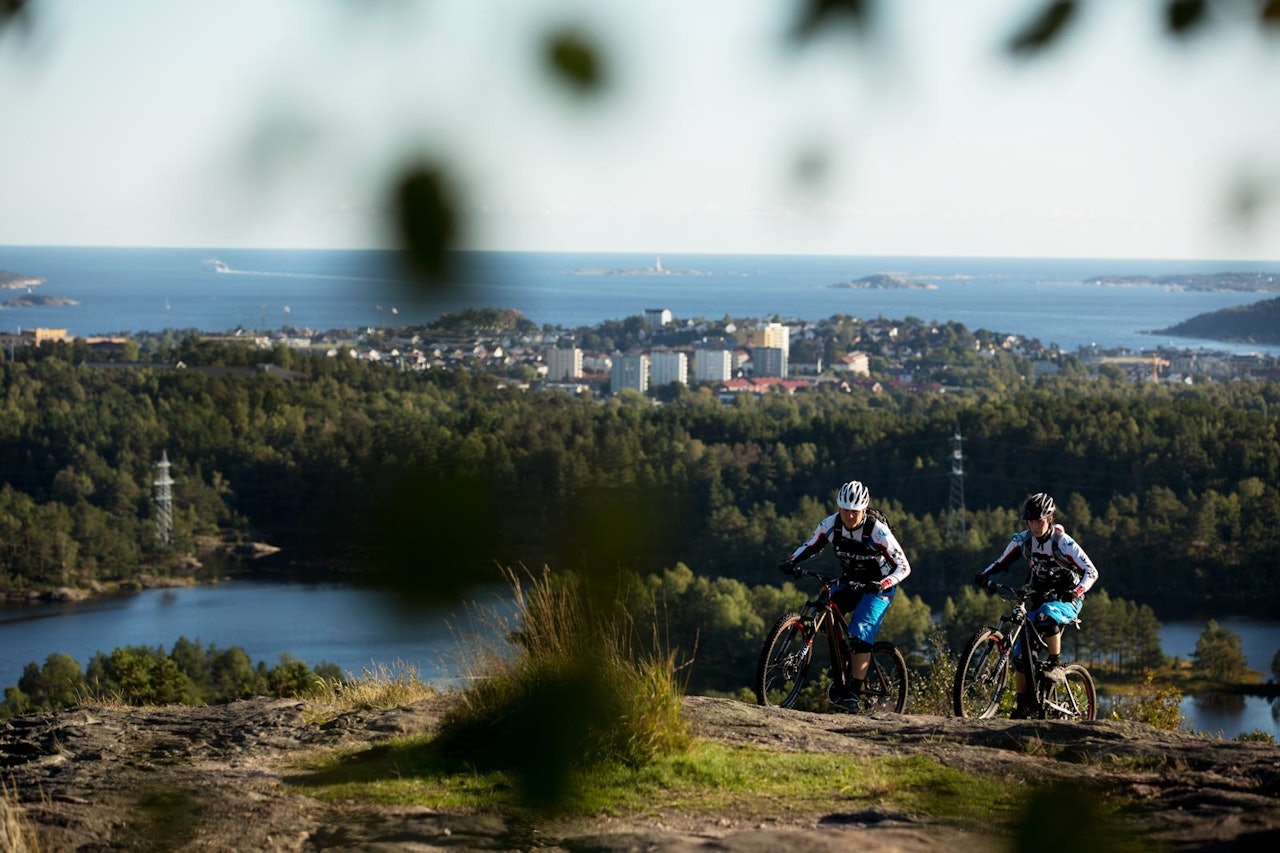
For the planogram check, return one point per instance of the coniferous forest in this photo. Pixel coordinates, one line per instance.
(432, 480)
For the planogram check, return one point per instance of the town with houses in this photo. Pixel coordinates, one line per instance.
(728, 357)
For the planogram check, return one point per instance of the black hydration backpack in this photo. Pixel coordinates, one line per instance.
(878, 516)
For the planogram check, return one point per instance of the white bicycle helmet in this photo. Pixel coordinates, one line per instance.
(853, 495)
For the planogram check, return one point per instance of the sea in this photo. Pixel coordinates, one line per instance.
(92, 291)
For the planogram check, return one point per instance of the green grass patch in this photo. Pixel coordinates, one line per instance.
(710, 778)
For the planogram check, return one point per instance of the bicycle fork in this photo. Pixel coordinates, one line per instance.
(1004, 648)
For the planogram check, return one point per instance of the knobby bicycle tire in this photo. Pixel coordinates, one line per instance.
(783, 668)
(982, 676)
(887, 681)
(1076, 698)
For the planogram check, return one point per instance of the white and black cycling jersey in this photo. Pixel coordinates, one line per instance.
(1057, 562)
(867, 553)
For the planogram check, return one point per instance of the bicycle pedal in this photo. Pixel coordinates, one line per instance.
(1054, 675)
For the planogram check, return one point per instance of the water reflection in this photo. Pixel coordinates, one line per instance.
(1220, 703)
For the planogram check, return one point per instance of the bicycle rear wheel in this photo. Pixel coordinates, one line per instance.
(982, 674)
(886, 685)
(1076, 698)
(783, 669)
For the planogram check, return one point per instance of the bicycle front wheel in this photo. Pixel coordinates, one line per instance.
(1075, 698)
(982, 674)
(783, 669)
(886, 685)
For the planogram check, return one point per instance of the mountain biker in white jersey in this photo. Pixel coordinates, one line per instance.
(870, 556)
(1061, 573)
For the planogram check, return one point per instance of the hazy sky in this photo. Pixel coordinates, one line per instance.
(283, 123)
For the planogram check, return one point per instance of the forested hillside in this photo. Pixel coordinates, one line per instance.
(1256, 323)
(432, 480)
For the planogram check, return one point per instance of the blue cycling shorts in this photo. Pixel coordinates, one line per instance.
(864, 623)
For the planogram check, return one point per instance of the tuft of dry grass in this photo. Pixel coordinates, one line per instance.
(558, 687)
(382, 687)
(16, 835)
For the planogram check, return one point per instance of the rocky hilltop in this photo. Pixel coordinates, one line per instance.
(226, 778)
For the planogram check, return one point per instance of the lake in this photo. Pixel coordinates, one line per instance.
(354, 628)
(365, 629)
(1229, 715)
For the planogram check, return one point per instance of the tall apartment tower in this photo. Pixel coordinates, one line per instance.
(668, 367)
(771, 336)
(564, 364)
(713, 365)
(629, 371)
(769, 361)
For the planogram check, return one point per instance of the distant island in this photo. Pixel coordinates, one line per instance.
(882, 281)
(1252, 282)
(1258, 323)
(29, 301)
(16, 281)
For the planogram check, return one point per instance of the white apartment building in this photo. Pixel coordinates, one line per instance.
(656, 318)
(712, 365)
(668, 367)
(629, 371)
(564, 364)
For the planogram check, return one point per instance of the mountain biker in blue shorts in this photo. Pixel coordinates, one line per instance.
(870, 556)
(1061, 573)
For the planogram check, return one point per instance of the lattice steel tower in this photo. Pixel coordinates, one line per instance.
(955, 506)
(163, 499)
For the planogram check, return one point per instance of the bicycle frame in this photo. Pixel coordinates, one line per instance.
(830, 622)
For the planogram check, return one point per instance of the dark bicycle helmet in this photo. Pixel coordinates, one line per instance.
(853, 495)
(1038, 506)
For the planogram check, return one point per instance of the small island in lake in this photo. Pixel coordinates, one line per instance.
(1251, 282)
(882, 281)
(17, 281)
(1258, 323)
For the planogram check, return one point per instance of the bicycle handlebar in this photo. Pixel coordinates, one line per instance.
(798, 572)
(1009, 592)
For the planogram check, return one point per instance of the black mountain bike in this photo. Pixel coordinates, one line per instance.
(787, 658)
(983, 672)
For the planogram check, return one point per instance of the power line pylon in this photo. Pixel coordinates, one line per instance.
(955, 506)
(163, 499)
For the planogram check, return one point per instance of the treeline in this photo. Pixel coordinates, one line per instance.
(189, 674)
(712, 626)
(433, 480)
